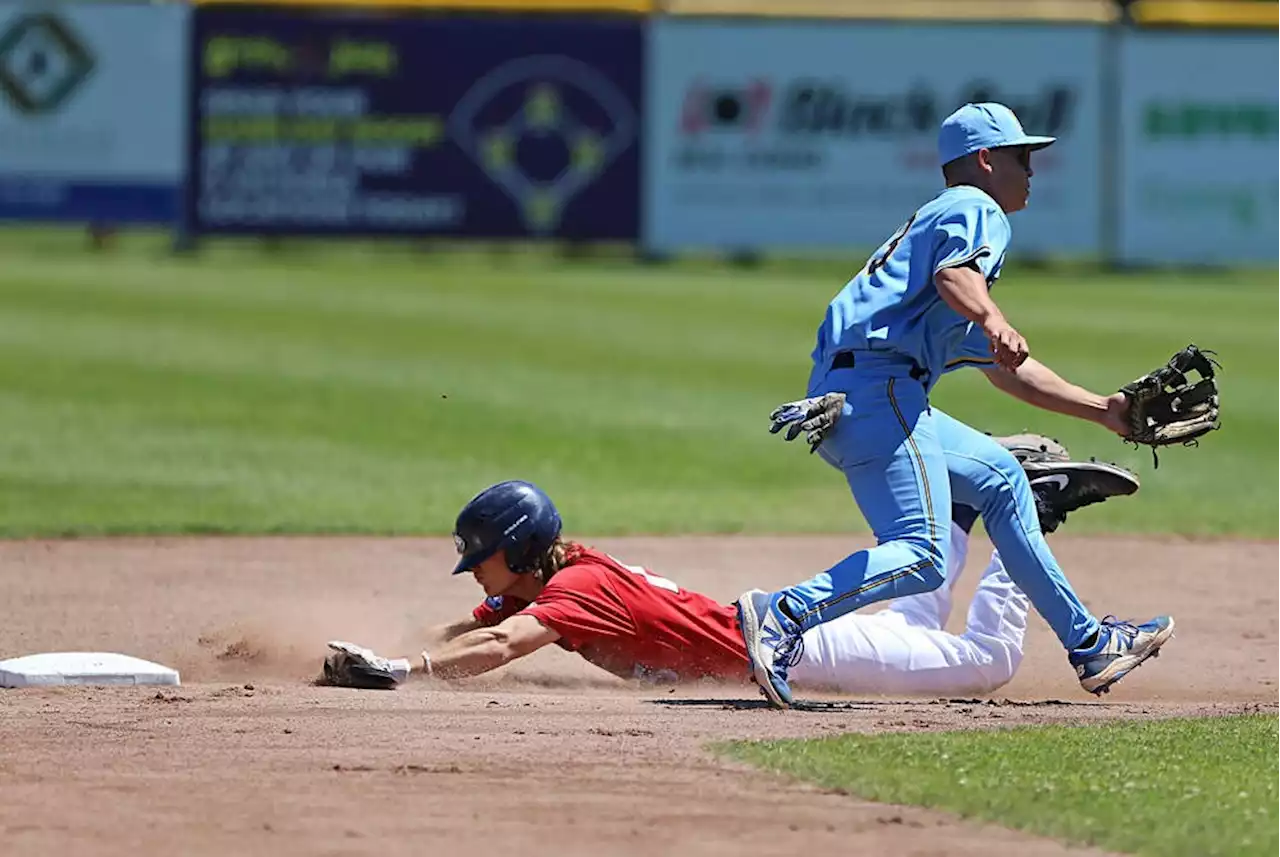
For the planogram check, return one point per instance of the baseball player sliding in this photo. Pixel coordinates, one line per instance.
(542, 589)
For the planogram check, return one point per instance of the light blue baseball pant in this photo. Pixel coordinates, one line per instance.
(906, 463)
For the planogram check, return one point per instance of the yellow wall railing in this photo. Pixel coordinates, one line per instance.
(1087, 11)
(1202, 13)
(1208, 13)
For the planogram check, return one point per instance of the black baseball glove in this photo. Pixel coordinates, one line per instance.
(355, 666)
(1165, 407)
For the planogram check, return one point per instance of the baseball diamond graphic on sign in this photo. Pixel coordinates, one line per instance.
(543, 128)
(41, 63)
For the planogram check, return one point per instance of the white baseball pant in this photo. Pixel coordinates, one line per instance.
(903, 649)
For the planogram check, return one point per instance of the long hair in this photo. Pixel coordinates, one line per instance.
(561, 554)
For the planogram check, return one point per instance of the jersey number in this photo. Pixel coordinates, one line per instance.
(651, 579)
(877, 262)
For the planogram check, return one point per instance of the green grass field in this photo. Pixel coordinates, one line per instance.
(375, 389)
(1175, 788)
(359, 388)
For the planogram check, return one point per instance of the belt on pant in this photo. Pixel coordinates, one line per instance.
(847, 360)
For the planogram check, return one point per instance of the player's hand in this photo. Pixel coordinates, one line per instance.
(1007, 345)
(1116, 417)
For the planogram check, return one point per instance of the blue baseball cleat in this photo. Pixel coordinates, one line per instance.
(1121, 646)
(773, 644)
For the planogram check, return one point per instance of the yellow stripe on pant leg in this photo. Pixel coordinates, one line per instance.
(924, 476)
(853, 593)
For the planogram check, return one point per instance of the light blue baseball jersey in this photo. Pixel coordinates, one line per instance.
(892, 304)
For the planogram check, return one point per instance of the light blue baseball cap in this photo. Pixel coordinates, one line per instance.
(983, 126)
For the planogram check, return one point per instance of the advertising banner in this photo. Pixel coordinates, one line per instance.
(768, 135)
(637, 6)
(92, 107)
(1199, 143)
(343, 123)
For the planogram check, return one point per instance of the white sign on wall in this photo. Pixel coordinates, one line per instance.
(824, 135)
(1199, 118)
(92, 110)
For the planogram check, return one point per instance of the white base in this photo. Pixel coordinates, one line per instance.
(93, 668)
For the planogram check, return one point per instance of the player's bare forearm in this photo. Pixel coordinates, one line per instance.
(470, 654)
(484, 649)
(439, 634)
(965, 290)
(1038, 385)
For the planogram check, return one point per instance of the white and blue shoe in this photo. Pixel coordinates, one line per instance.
(773, 644)
(1121, 646)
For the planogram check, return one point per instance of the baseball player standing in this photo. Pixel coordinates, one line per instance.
(921, 307)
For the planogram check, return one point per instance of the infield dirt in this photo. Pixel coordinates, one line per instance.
(550, 756)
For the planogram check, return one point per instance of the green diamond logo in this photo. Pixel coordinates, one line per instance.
(41, 63)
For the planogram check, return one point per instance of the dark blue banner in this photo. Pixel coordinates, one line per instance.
(345, 123)
(88, 202)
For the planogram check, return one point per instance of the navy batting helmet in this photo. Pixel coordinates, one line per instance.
(515, 517)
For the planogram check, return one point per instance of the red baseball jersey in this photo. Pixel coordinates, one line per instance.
(630, 622)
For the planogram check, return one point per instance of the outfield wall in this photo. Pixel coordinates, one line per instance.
(821, 135)
(1198, 147)
(492, 127)
(92, 106)
(675, 133)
